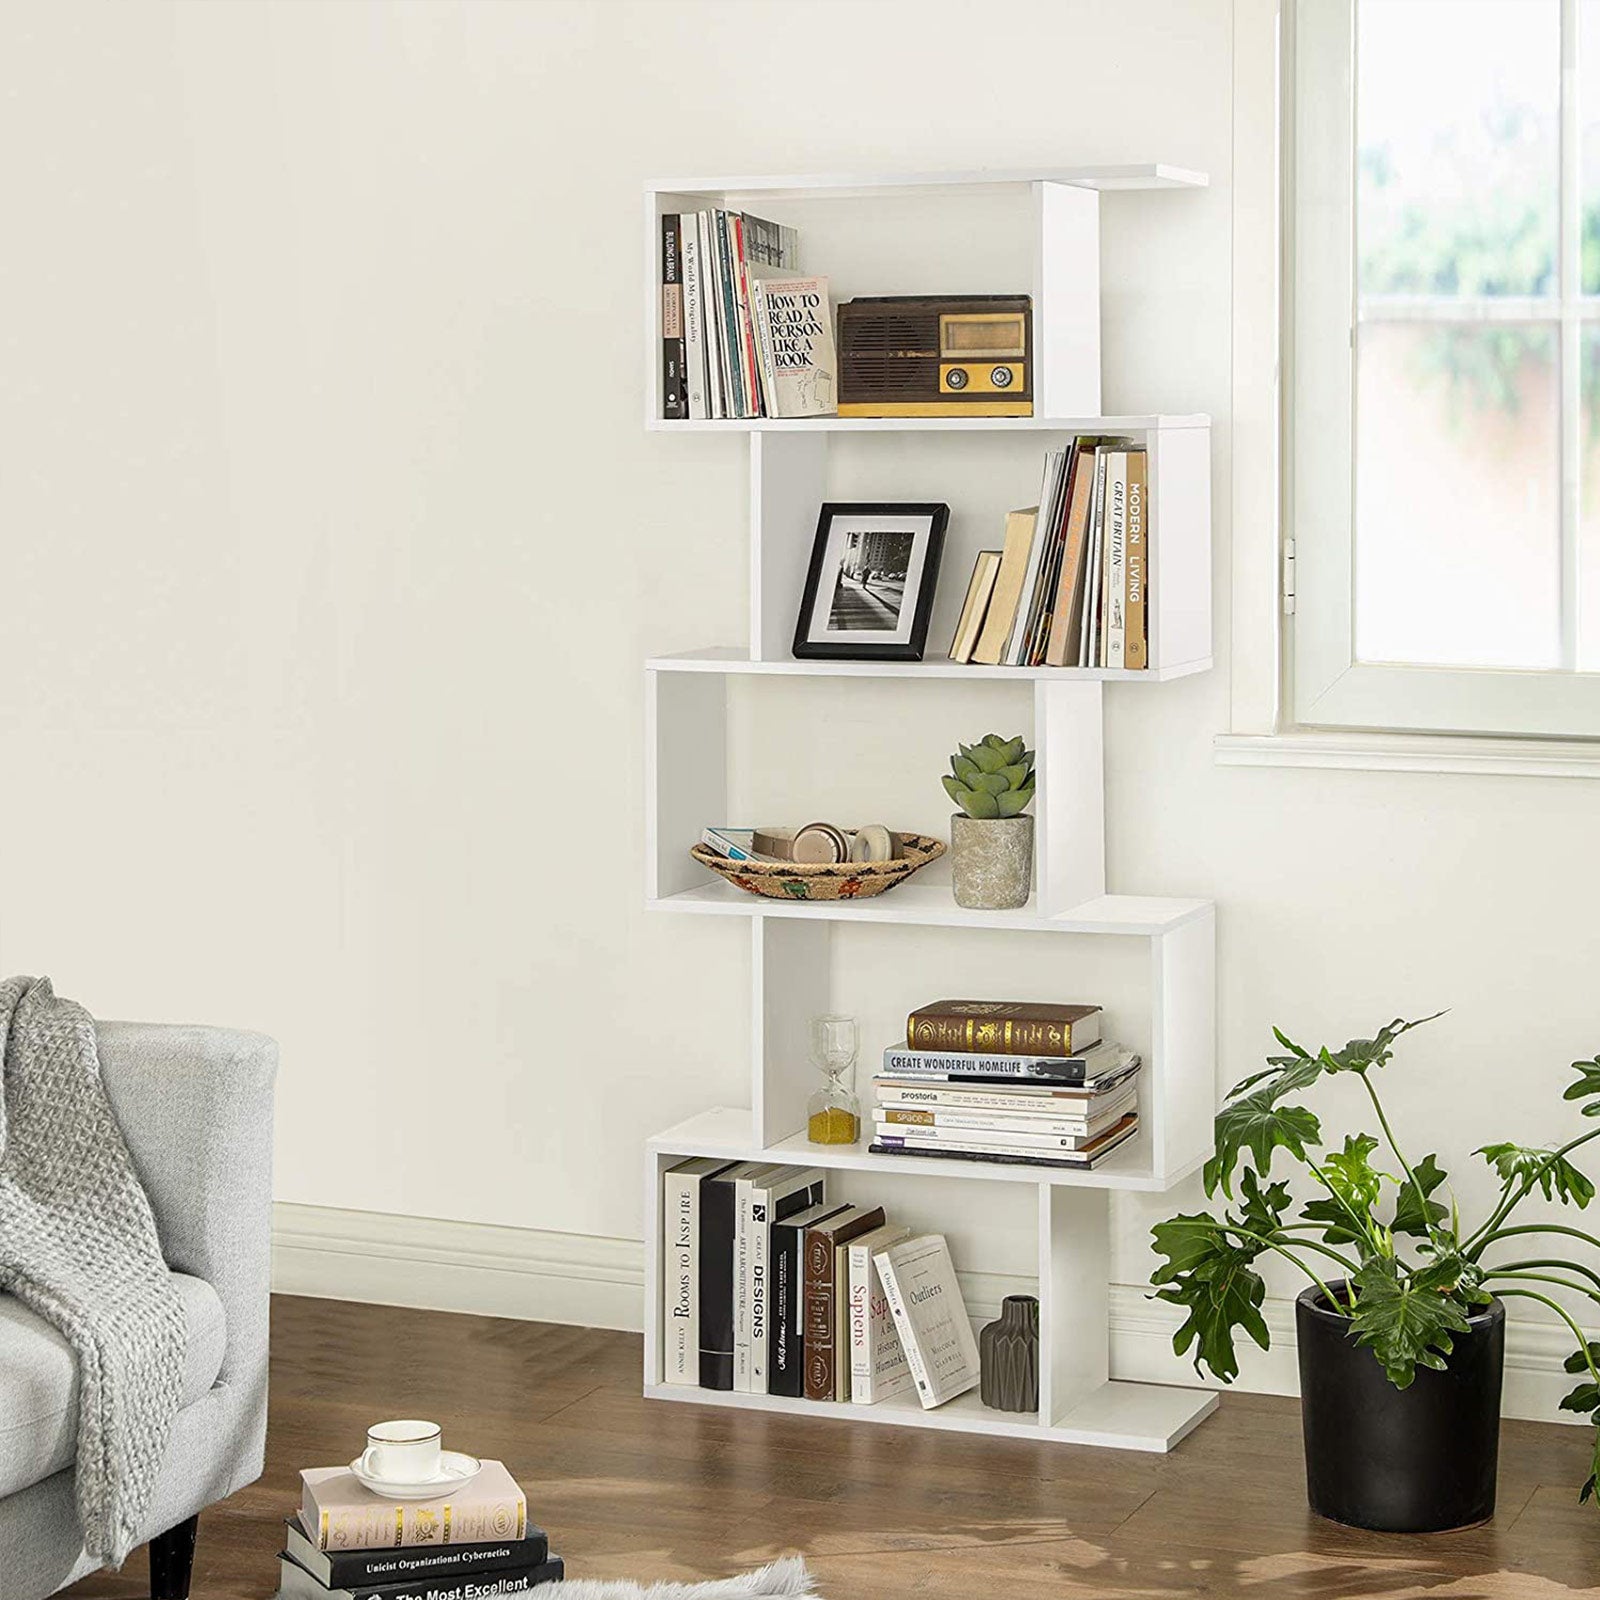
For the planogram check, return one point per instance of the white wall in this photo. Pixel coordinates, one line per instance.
(332, 545)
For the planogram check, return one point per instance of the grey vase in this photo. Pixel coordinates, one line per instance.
(1008, 1356)
(991, 861)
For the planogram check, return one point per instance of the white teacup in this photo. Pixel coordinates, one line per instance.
(403, 1452)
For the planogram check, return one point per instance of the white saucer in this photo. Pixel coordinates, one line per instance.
(455, 1471)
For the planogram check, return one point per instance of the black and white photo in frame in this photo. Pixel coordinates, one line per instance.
(869, 589)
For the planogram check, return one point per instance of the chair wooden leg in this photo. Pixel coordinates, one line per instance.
(172, 1561)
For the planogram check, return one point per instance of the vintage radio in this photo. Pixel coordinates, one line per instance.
(936, 356)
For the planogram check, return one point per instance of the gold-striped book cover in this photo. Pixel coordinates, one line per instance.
(1003, 1027)
(339, 1514)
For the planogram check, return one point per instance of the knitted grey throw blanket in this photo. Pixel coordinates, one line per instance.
(78, 1245)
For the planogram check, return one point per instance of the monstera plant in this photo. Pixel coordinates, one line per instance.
(1400, 1327)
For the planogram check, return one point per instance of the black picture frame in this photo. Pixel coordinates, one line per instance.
(897, 596)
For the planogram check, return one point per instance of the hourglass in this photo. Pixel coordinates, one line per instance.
(833, 1114)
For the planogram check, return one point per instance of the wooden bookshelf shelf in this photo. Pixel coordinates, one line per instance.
(793, 960)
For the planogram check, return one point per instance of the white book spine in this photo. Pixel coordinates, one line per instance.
(694, 335)
(743, 1230)
(764, 371)
(1088, 655)
(681, 1214)
(1017, 643)
(902, 1326)
(878, 1366)
(760, 1299)
(711, 311)
(1116, 558)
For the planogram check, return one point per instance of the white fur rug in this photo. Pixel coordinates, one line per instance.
(783, 1578)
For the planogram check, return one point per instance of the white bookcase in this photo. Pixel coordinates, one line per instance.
(1013, 228)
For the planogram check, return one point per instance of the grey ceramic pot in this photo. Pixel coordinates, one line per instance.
(991, 861)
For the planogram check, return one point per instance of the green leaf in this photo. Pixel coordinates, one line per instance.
(1405, 1321)
(1261, 1210)
(1013, 749)
(980, 805)
(1351, 1175)
(1409, 1216)
(1361, 1055)
(991, 783)
(1013, 802)
(1258, 1124)
(1587, 1087)
(1592, 1482)
(1586, 1397)
(966, 771)
(956, 789)
(1339, 1226)
(1578, 1362)
(1556, 1178)
(1016, 775)
(987, 759)
(1208, 1272)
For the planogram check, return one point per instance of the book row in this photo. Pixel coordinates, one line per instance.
(1071, 586)
(743, 333)
(349, 1543)
(770, 1288)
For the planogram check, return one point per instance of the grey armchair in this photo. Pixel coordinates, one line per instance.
(195, 1105)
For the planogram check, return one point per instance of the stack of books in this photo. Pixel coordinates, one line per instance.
(1071, 588)
(351, 1544)
(1006, 1081)
(743, 334)
(771, 1288)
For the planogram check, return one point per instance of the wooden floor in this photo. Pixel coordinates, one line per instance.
(628, 1488)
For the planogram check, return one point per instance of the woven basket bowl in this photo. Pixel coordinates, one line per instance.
(849, 880)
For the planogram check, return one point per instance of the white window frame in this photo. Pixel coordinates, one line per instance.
(1299, 696)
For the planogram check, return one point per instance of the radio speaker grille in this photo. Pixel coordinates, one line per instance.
(889, 355)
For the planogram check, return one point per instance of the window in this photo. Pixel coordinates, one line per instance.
(1443, 364)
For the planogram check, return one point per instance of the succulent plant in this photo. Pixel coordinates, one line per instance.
(992, 778)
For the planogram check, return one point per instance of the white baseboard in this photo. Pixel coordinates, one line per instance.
(528, 1273)
(597, 1282)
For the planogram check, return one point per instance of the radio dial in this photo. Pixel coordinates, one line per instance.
(957, 378)
(1001, 377)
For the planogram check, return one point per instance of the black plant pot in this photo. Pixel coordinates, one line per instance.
(1410, 1460)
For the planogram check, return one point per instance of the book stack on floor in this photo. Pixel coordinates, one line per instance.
(1071, 586)
(771, 1288)
(1006, 1081)
(743, 334)
(352, 1544)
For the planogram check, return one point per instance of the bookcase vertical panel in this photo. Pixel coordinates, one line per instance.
(788, 483)
(1068, 731)
(1180, 545)
(1074, 1299)
(1180, 1090)
(790, 961)
(686, 773)
(1066, 301)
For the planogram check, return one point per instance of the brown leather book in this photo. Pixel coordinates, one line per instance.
(1003, 1027)
(820, 1271)
(1136, 645)
(1066, 614)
